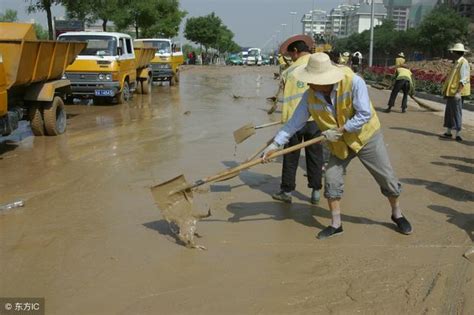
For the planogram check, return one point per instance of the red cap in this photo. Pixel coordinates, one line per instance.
(305, 38)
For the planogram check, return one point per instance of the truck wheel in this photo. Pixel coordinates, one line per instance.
(146, 86)
(54, 115)
(173, 81)
(36, 120)
(124, 96)
(139, 89)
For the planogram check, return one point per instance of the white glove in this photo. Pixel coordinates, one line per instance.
(332, 135)
(457, 96)
(268, 150)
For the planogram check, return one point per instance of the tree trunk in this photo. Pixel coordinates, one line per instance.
(104, 25)
(47, 8)
(136, 30)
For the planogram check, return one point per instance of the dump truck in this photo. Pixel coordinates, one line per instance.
(168, 58)
(31, 84)
(109, 69)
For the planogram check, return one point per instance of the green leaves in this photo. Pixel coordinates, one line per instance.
(209, 31)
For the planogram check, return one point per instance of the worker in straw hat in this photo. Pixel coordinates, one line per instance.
(456, 87)
(339, 103)
(400, 60)
(298, 47)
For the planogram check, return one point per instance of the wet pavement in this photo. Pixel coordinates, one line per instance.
(91, 241)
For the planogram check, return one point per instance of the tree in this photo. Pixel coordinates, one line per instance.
(44, 5)
(41, 33)
(204, 30)
(442, 28)
(9, 16)
(168, 19)
(92, 10)
(150, 17)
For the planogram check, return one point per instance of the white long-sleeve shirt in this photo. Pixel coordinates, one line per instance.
(360, 103)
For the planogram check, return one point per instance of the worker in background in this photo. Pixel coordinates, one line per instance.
(298, 48)
(356, 61)
(403, 82)
(400, 60)
(340, 105)
(456, 87)
(344, 58)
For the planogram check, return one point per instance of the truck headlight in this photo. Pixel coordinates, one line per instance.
(108, 77)
(104, 77)
(101, 76)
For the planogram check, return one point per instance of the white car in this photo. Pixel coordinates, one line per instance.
(254, 57)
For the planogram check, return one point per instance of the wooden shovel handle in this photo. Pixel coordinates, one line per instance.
(266, 144)
(268, 125)
(251, 163)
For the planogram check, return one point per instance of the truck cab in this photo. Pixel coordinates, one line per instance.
(254, 57)
(105, 69)
(168, 58)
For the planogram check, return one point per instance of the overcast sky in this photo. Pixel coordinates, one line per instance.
(253, 22)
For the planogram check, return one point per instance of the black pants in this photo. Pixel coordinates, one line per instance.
(314, 159)
(403, 85)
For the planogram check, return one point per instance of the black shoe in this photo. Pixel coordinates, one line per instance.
(403, 225)
(404, 110)
(282, 196)
(315, 197)
(446, 136)
(388, 110)
(328, 232)
(458, 139)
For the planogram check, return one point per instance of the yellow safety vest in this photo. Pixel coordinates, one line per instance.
(344, 111)
(405, 74)
(294, 89)
(399, 61)
(451, 85)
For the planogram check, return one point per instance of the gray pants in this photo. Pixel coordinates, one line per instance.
(453, 113)
(374, 157)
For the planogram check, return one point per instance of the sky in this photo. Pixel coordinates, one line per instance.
(253, 22)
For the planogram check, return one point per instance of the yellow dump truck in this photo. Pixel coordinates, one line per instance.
(109, 69)
(30, 80)
(168, 58)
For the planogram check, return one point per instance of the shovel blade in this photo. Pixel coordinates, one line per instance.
(173, 203)
(241, 134)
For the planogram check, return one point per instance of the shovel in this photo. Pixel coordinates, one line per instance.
(245, 132)
(424, 105)
(176, 193)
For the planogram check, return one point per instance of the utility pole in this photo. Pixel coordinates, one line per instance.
(371, 48)
(312, 21)
(292, 21)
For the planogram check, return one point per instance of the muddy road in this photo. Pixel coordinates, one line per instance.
(91, 241)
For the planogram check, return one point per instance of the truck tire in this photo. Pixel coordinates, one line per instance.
(54, 115)
(124, 96)
(36, 120)
(146, 86)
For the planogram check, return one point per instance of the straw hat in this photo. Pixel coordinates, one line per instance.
(319, 70)
(346, 54)
(401, 55)
(458, 47)
(305, 38)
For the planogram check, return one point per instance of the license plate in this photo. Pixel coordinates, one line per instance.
(104, 93)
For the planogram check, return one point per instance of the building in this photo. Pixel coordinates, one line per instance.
(336, 24)
(418, 12)
(359, 18)
(399, 12)
(465, 8)
(314, 22)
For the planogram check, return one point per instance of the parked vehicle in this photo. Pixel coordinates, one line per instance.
(109, 69)
(254, 57)
(168, 58)
(234, 60)
(30, 80)
(265, 60)
(244, 56)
